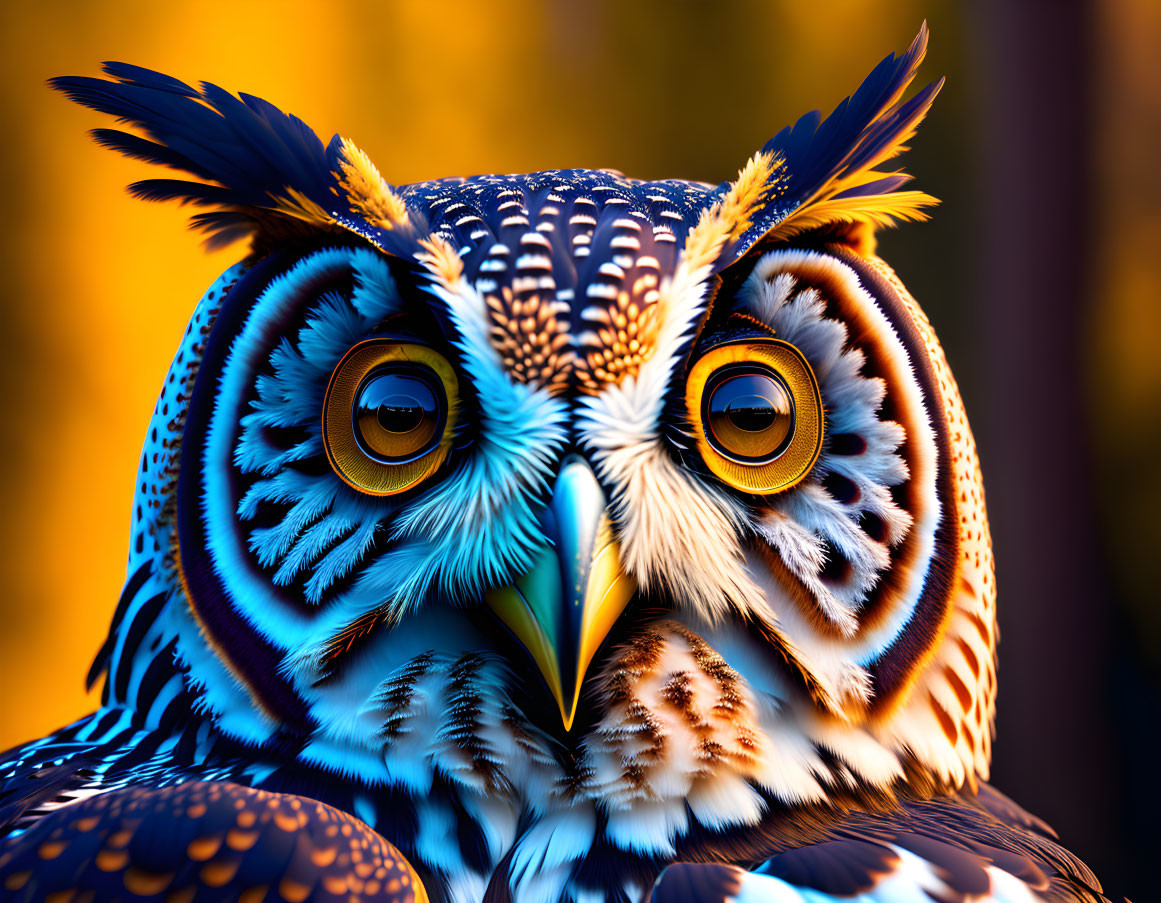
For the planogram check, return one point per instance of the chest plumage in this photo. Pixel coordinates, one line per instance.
(545, 537)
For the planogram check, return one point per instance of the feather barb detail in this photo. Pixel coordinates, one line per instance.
(441, 259)
(369, 195)
(298, 206)
(732, 216)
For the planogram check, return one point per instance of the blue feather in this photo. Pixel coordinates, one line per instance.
(147, 78)
(176, 190)
(884, 185)
(252, 151)
(148, 151)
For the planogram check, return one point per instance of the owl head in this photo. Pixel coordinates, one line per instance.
(658, 495)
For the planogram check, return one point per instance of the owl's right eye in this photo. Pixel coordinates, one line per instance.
(389, 415)
(756, 413)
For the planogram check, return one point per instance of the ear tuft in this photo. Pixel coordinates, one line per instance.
(263, 173)
(828, 176)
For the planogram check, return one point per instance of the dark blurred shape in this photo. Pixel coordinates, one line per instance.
(1030, 294)
(1064, 731)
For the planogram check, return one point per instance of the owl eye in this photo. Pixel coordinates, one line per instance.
(389, 415)
(756, 413)
(749, 414)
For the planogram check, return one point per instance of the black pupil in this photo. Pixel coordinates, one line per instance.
(751, 401)
(399, 413)
(751, 413)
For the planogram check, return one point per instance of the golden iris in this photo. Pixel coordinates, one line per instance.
(756, 414)
(389, 415)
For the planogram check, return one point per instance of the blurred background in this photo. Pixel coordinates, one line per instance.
(1041, 272)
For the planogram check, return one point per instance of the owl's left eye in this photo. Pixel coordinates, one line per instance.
(389, 415)
(757, 414)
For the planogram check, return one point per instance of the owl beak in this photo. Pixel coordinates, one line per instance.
(565, 606)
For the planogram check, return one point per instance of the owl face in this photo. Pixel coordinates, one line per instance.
(482, 476)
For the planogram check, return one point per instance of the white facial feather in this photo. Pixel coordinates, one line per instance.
(852, 401)
(676, 530)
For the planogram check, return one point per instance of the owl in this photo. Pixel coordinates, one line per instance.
(548, 537)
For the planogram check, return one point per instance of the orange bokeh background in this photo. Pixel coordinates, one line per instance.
(98, 286)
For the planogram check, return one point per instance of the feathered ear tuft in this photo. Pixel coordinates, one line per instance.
(825, 175)
(266, 173)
